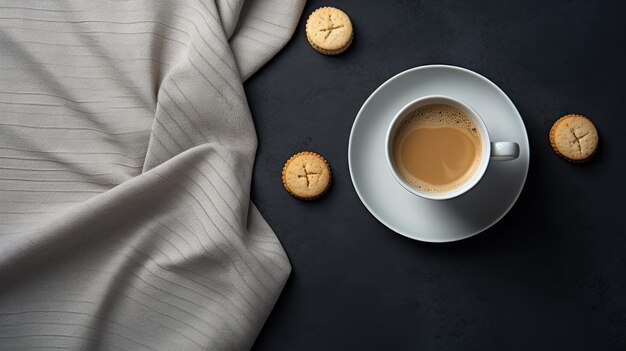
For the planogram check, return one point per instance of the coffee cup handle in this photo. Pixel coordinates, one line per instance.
(504, 151)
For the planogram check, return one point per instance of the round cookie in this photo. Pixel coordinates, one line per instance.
(306, 175)
(574, 137)
(329, 30)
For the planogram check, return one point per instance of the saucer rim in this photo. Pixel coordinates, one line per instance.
(425, 67)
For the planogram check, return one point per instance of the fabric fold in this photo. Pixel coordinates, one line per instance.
(126, 156)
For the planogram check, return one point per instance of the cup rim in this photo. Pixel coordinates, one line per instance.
(485, 143)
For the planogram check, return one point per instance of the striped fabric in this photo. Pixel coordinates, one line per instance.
(126, 152)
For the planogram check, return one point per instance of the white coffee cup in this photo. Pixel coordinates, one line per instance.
(491, 150)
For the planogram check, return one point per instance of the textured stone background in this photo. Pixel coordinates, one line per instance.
(550, 275)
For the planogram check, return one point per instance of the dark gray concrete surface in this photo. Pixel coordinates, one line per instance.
(550, 276)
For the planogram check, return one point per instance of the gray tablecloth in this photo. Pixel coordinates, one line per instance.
(126, 152)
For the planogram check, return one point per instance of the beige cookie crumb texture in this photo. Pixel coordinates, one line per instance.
(306, 175)
(329, 30)
(574, 137)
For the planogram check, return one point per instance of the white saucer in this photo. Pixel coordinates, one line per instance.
(431, 220)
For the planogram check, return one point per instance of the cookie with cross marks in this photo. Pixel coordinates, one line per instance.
(574, 138)
(306, 175)
(329, 30)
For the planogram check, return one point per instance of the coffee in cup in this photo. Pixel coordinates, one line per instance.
(437, 148)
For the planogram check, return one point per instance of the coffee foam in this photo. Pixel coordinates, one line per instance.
(437, 116)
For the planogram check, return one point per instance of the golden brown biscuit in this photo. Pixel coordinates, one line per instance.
(329, 30)
(306, 175)
(574, 137)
